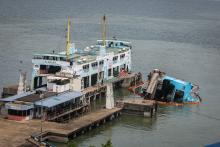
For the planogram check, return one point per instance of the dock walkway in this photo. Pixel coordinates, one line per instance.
(75, 127)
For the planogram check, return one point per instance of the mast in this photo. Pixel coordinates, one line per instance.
(103, 46)
(68, 43)
(103, 30)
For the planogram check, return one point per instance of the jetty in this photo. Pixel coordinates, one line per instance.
(81, 125)
(75, 127)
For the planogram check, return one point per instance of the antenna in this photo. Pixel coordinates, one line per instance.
(103, 30)
(68, 44)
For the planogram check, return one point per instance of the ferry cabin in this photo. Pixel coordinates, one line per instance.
(84, 68)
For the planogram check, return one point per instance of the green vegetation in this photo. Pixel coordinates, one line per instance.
(108, 144)
(71, 144)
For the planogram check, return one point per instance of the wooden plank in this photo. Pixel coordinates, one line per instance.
(86, 120)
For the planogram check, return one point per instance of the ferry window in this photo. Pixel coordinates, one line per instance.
(46, 57)
(115, 58)
(51, 58)
(54, 58)
(111, 44)
(101, 62)
(122, 56)
(94, 64)
(99, 43)
(109, 72)
(62, 59)
(38, 57)
(86, 66)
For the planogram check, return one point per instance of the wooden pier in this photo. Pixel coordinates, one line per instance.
(17, 132)
(75, 127)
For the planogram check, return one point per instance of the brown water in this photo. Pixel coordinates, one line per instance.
(180, 37)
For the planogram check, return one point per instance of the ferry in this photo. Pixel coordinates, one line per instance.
(77, 69)
(63, 84)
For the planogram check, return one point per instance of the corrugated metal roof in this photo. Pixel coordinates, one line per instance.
(36, 97)
(15, 97)
(18, 106)
(58, 99)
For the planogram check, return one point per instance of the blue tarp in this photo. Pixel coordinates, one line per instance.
(58, 99)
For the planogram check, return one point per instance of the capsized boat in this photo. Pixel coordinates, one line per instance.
(167, 89)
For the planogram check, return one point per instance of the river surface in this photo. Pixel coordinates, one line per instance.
(180, 37)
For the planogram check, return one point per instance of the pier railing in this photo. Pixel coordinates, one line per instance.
(63, 111)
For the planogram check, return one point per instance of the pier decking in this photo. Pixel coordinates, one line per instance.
(17, 132)
(85, 123)
(75, 127)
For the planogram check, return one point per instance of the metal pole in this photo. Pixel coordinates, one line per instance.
(69, 111)
(41, 126)
(135, 85)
